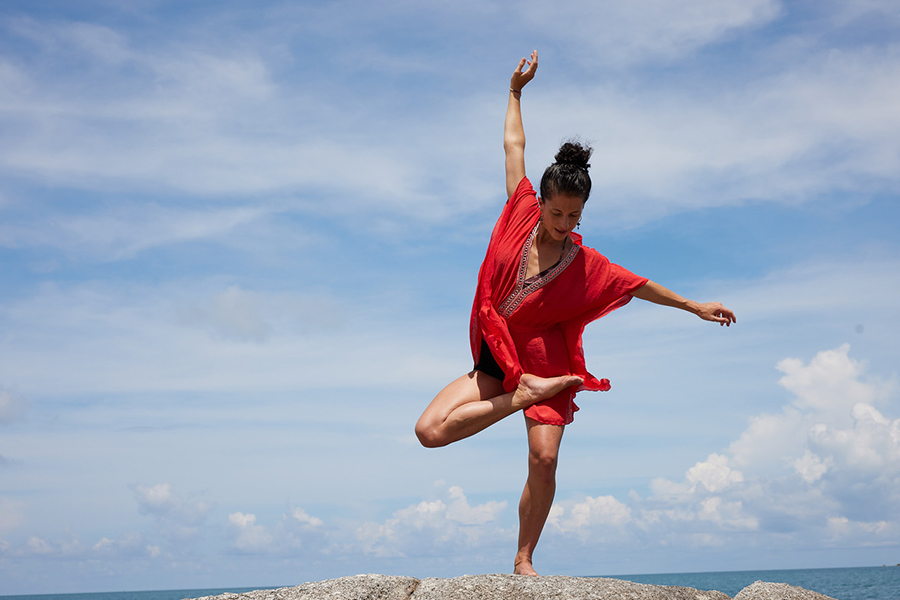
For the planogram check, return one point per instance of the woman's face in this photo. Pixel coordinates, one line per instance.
(561, 214)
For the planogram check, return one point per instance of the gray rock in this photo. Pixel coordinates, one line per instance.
(357, 587)
(761, 590)
(509, 587)
(520, 587)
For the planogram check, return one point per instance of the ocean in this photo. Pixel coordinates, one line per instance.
(857, 583)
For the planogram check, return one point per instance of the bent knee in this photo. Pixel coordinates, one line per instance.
(429, 436)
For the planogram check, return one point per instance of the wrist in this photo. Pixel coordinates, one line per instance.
(515, 91)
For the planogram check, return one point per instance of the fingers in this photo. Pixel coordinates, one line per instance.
(521, 64)
(533, 63)
(725, 317)
(719, 314)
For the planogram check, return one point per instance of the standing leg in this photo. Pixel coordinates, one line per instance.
(543, 454)
(476, 401)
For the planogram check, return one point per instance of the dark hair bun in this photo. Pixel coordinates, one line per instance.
(574, 153)
(569, 174)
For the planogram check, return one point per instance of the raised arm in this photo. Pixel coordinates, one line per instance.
(513, 131)
(709, 311)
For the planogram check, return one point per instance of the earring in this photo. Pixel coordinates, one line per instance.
(578, 224)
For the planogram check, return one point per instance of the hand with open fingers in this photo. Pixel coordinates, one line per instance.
(714, 311)
(520, 77)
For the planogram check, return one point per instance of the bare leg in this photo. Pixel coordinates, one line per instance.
(537, 498)
(476, 401)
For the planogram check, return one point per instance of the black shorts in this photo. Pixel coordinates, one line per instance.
(487, 364)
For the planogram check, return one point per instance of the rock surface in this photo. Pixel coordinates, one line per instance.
(518, 587)
(509, 587)
(761, 590)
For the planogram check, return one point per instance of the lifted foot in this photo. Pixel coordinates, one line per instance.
(533, 389)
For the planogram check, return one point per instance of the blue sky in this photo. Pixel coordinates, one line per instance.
(238, 246)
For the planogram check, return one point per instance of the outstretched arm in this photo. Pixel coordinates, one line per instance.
(513, 130)
(709, 311)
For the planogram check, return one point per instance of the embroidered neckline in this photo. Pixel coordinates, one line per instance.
(522, 290)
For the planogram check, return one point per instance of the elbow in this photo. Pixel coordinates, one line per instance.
(513, 143)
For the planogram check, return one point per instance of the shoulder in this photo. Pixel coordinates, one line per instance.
(523, 202)
(600, 265)
(590, 254)
(523, 190)
(519, 215)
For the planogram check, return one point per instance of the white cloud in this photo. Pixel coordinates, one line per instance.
(728, 515)
(130, 545)
(124, 232)
(844, 13)
(197, 119)
(834, 484)
(224, 122)
(811, 467)
(592, 513)
(798, 292)
(828, 393)
(12, 514)
(770, 442)
(37, 547)
(301, 516)
(624, 33)
(859, 465)
(825, 470)
(432, 526)
(811, 127)
(296, 532)
(95, 40)
(830, 455)
(829, 385)
(234, 314)
(460, 511)
(713, 474)
(247, 535)
(843, 529)
(191, 335)
(12, 407)
(177, 519)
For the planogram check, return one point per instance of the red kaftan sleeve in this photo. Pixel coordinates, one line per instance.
(608, 286)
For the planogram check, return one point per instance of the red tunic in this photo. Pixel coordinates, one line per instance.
(536, 327)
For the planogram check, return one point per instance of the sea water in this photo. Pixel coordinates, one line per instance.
(860, 583)
(149, 595)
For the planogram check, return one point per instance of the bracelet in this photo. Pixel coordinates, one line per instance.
(515, 91)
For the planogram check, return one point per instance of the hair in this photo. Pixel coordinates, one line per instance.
(569, 174)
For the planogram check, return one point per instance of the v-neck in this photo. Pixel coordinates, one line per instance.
(524, 287)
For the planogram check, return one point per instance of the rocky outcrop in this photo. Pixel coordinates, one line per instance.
(509, 587)
(358, 587)
(518, 587)
(761, 590)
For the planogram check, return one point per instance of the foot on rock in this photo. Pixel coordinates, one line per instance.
(524, 567)
(533, 389)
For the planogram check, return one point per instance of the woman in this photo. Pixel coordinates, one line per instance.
(537, 289)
